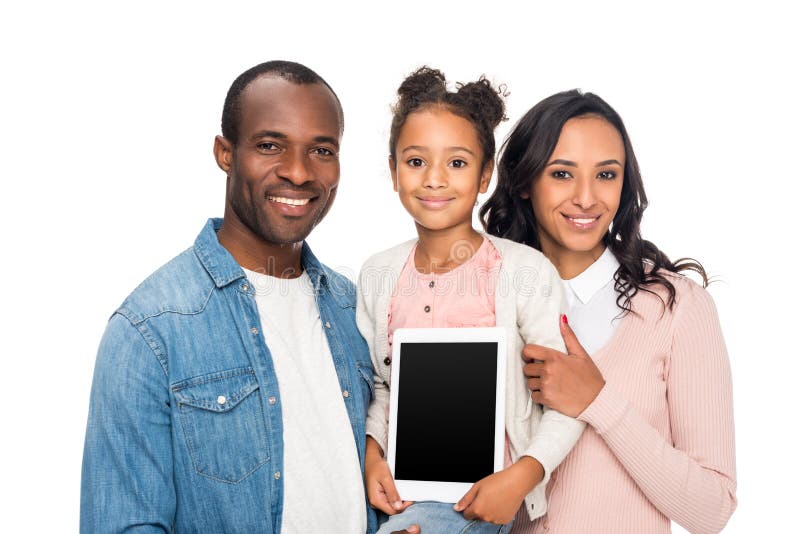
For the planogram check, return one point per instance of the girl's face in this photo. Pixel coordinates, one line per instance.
(436, 169)
(577, 194)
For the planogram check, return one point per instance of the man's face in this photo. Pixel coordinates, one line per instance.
(284, 170)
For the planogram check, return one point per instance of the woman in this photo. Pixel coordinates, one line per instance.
(656, 391)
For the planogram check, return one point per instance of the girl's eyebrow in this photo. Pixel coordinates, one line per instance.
(420, 148)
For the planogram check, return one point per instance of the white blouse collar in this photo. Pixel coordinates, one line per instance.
(595, 277)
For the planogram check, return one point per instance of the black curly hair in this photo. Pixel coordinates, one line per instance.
(288, 70)
(478, 102)
(524, 156)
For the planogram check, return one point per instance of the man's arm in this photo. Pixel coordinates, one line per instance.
(127, 481)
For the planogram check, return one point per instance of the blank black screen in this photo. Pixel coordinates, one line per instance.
(446, 411)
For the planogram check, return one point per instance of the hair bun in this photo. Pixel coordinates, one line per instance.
(484, 101)
(421, 85)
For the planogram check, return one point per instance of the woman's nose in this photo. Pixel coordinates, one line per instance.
(584, 194)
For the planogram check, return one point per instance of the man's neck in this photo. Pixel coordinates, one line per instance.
(253, 253)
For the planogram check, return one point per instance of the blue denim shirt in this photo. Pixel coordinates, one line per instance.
(164, 452)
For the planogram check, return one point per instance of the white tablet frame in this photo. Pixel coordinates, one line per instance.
(426, 490)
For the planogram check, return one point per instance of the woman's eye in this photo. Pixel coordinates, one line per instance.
(458, 163)
(561, 175)
(607, 175)
(415, 162)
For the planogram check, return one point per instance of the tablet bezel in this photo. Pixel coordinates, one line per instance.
(428, 490)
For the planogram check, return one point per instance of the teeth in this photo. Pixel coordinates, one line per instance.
(581, 221)
(290, 201)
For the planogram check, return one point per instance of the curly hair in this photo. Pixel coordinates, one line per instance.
(288, 70)
(478, 102)
(525, 155)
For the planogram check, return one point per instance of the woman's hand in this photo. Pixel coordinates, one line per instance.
(497, 498)
(567, 383)
(381, 491)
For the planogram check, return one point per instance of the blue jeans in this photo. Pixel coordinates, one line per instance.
(437, 518)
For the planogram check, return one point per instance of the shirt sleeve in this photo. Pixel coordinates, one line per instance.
(691, 480)
(377, 424)
(554, 434)
(126, 482)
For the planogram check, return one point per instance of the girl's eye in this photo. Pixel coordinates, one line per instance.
(607, 175)
(561, 175)
(415, 162)
(458, 163)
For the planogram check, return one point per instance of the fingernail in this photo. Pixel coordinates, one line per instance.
(564, 319)
(397, 505)
(456, 508)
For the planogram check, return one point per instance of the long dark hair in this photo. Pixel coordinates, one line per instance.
(525, 154)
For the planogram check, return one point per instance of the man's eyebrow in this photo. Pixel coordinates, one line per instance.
(326, 139)
(269, 133)
(608, 162)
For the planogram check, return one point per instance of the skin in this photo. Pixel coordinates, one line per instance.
(287, 151)
(583, 179)
(437, 173)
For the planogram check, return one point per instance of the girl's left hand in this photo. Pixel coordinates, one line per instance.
(567, 383)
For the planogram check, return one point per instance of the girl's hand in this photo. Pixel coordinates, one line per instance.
(567, 383)
(381, 491)
(497, 497)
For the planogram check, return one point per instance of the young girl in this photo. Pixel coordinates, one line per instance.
(656, 391)
(441, 151)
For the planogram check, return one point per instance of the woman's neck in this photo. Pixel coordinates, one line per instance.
(571, 263)
(441, 251)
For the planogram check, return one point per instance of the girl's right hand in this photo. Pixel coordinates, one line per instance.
(381, 491)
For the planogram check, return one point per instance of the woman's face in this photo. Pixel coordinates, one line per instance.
(577, 194)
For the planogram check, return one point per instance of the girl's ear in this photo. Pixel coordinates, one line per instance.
(393, 170)
(486, 176)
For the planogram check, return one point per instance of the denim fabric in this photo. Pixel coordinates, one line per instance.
(185, 430)
(438, 517)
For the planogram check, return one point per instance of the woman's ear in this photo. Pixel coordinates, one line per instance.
(526, 195)
(393, 170)
(486, 176)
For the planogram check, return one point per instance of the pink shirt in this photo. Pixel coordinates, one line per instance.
(460, 298)
(659, 441)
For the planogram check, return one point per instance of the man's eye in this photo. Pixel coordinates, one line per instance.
(458, 163)
(267, 146)
(322, 151)
(607, 175)
(415, 162)
(561, 175)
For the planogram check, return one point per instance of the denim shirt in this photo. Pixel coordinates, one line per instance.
(185, 431)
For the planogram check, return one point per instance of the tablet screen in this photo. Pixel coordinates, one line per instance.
(446, 411)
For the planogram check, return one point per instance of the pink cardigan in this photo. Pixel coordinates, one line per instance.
(659, 443)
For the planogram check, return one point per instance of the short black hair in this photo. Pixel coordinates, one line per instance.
(288, 70)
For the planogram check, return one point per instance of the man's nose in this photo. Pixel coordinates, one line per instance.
(294, 167)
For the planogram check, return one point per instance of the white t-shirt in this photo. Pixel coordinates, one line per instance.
(592, 302)
(323, 488)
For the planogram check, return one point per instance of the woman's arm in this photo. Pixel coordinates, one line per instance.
(692, 480)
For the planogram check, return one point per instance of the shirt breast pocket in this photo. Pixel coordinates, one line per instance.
(223, 424)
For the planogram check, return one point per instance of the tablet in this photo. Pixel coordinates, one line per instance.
(446, 410)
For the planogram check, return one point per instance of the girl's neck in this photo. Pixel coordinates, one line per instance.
(441, 251)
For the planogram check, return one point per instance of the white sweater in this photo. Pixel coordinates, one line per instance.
(528, 302)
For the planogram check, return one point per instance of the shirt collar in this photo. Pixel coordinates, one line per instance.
(595, 277)
(224, 269)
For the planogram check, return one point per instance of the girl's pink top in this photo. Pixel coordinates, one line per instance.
(659, 441)
(463, 297)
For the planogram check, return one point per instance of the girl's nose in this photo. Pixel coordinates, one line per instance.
(435, 178)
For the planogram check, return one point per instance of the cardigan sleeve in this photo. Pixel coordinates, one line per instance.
(377, 424)
(691, 480)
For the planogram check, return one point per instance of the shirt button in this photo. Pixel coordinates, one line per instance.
(221, 400)
(387, 360)
(346, 393)
(327, 325)
(254, 331)
(427, 309)
(431, 284)
(245, 287)
(277, 475)
(272, 400)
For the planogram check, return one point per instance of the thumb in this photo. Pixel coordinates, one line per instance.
(574, 347)
(467, 499)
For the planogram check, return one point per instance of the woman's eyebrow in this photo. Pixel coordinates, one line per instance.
(608, 162)
(564, 162)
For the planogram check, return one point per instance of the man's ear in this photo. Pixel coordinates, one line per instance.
(486, 176)
(393, 170)
(223, 153)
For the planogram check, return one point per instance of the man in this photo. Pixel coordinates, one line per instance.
(230, 387)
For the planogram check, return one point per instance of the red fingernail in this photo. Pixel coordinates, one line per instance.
(564, 319)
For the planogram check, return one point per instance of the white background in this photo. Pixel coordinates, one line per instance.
(108, 113)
